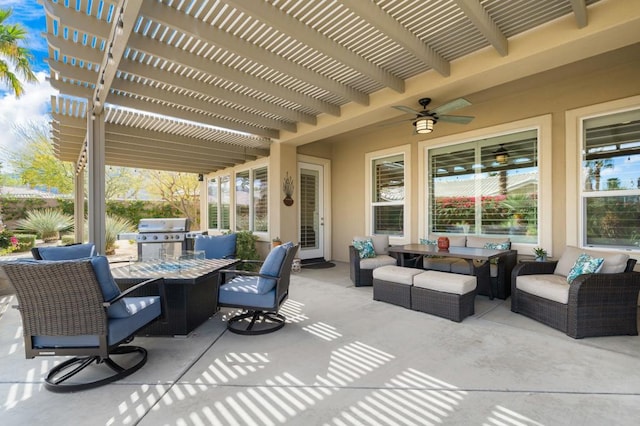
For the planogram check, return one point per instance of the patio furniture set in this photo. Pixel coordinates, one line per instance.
(73, 304)
(584, 293)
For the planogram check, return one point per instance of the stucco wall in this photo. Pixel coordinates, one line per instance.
(596, 80)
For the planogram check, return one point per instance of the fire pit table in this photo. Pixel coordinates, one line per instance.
(191, 287)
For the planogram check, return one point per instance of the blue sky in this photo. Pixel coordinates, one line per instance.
(34, 105)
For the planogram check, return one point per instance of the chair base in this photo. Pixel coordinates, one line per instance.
(256, 322)
(57, 376)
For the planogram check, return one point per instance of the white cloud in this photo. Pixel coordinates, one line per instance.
(33, 106)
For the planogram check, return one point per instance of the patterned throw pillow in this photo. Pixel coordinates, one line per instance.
(365, 248)
(498, 246)
(585, 264)
(428, 242)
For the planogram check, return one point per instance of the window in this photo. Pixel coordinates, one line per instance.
(610, 180)
(252, 202)
(219, 197)
(387, 181)
(486, 186)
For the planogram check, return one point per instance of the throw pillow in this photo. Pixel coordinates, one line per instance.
(365, 248)
(585, 264)
(428, 242)
(498, 246)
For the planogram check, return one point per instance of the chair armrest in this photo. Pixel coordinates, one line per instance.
(603, 304)
(354, 258)
(534, 268)
(127, 292)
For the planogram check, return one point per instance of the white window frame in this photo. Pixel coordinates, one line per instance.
(370, 157)
(219, 230)
(232, 172)
(545, 211)
(574, 120)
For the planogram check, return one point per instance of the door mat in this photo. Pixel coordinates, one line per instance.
(320, 265)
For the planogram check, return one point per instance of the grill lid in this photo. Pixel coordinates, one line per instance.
(163, 225)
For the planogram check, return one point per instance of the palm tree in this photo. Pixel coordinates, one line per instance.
(13, 54)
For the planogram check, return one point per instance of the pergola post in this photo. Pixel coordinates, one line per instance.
(95, 168)
(78, 210)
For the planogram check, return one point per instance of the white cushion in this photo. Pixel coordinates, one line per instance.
(613, 262)
(445, 282)
(548, 286)
(396, 274)
(479, 242)
(380, 242)
(376, 262)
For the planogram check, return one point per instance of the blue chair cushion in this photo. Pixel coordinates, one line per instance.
(271, 267)
(143, 311)
(76, 251)
(109, 288)
(216, 246)
(243, 291)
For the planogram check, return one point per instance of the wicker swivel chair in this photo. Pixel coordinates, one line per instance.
(74, 308)
(258, 294)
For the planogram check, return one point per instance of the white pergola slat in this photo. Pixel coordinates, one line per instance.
(202, 85)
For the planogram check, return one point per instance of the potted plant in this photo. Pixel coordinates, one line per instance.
(541, 254)
(276, 242)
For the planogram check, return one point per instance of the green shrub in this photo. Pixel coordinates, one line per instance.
(115, 225)
(65, 240)
(48, 223)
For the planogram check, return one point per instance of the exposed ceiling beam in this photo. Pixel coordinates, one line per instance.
(198, 29)
(483, 22)
(173, 98)
(287, 24)
(377, 17)
(580, 11)
(232, 151)
(144, 71)
(192, 61)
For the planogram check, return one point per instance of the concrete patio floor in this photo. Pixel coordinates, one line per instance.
(345, 359)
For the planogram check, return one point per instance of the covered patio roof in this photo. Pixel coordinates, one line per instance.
(202, 85)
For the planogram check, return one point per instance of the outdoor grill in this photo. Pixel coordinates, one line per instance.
(162, 237)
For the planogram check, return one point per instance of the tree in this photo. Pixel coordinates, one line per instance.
(122, 182)
(12, 55)
(180, 190)
(36, 163)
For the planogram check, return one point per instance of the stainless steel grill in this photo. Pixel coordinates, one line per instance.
(162, 237)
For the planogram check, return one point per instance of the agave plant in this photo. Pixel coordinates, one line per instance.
(115, 225)
(48, 223)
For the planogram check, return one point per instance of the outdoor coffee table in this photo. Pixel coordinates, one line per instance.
(191, 288)
(470, 254)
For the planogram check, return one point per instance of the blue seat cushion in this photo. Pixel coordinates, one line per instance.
(143, 311)
(110, 289)
(76, 251)
(271, 267)
(216, 246)
(243, 291)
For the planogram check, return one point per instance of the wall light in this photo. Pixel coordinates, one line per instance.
(424, 125)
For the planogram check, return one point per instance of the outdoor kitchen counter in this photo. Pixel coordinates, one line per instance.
(191, 288)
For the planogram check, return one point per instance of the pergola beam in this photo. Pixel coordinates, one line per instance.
(483, 22)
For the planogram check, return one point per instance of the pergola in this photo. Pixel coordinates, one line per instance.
(202, 85)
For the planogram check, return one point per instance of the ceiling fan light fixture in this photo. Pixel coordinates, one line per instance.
(501, 155)
(424, 125)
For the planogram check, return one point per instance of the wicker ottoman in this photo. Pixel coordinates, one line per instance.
(392, 284)
(444, 294)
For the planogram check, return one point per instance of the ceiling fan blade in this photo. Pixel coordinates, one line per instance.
(459, 119)
(451, 106)
(406, 109)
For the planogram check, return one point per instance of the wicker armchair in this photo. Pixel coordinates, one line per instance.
(74, 308)
(599, 304)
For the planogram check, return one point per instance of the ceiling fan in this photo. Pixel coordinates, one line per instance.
(425, 119)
